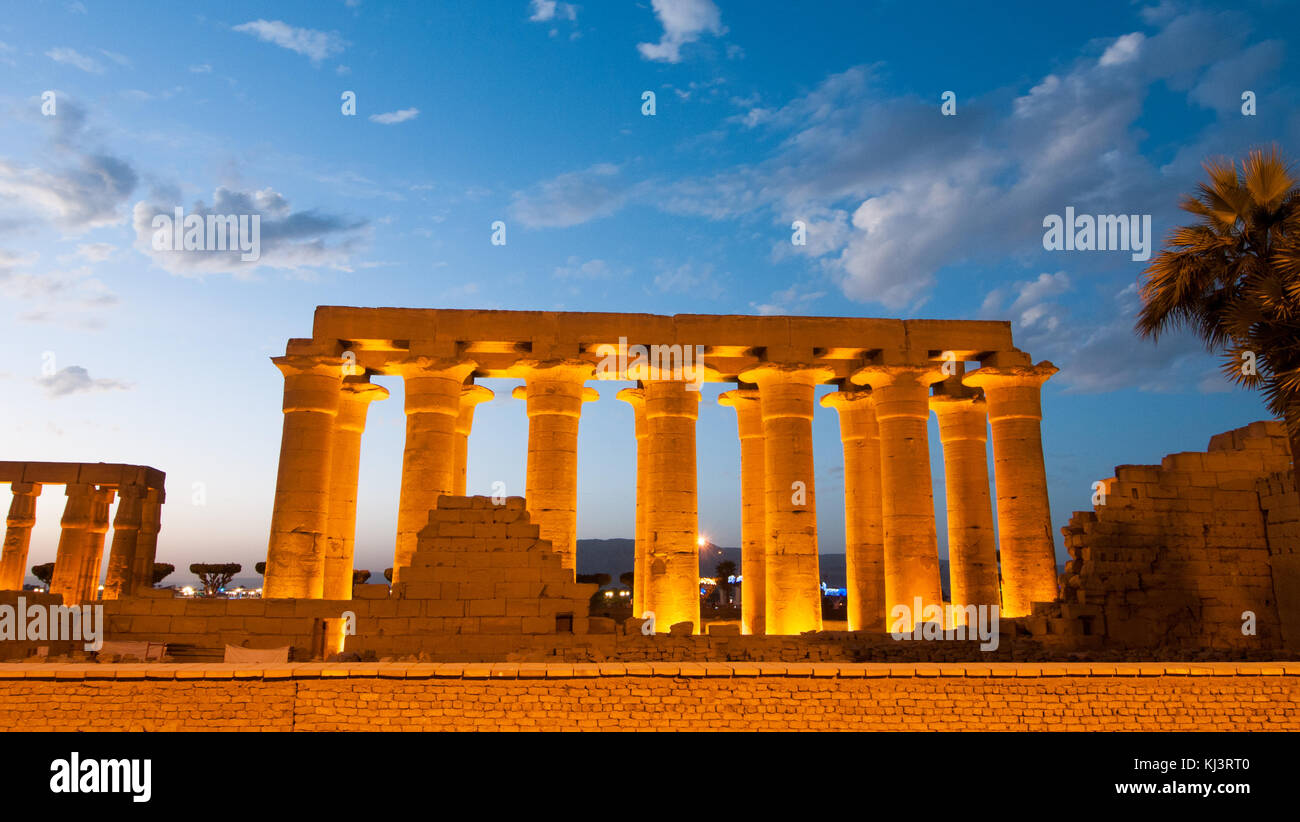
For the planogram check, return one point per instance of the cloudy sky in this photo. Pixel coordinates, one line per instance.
(531, 113)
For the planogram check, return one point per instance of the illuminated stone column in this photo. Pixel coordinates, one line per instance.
(635, 397)
(470, 397)
(901, 395)
(126, 538)
(555, 392)
(93, 555)
(18, 535)
(672, 523)
(753, 525)
(864, 545)
(78, 512)
(295, 555)
(1028, 552)
(972, 544)
(433, 388)
(345, 461)
(793, 586)
(146, 546)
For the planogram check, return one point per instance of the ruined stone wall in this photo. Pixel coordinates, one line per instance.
(1179, 551)
(662, 696)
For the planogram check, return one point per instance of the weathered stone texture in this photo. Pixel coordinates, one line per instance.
(1179, 552)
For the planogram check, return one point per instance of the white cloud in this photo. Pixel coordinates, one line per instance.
(684, 21)
(201, 69)
(1124, 50)
(575, 269)
(77, 380)
(393, 117)
(547, 10)
(96, 252)
(571, 198)
(289, 239)
(71, 57)
(316, 45)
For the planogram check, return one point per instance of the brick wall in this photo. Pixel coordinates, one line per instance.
(683, 696)
(1178, 551)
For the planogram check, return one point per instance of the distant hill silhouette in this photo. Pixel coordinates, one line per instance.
(614, 557)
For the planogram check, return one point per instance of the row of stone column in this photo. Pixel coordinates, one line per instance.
(891, 539)
(889, 507)
(80, 553)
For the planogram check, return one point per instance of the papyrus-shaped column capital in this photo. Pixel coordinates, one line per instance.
(1012, 392)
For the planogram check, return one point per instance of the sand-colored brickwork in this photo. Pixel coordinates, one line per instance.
(661, 696)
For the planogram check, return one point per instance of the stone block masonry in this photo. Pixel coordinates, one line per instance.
(1185, 552)
(653, 696)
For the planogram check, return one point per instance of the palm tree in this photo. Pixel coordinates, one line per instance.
(1233, 278)
(724, 571)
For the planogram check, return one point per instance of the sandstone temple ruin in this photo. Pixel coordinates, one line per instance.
(90, 489)
(890, 373)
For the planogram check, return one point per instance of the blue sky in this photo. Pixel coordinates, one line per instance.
(531, 113)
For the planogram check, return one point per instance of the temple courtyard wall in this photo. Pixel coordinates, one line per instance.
(659, 696)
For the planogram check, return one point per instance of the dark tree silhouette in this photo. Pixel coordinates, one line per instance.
(44, 573)
(215, 576)
(724, 571)
(161, 570)
(1233, 278)
(260, 568)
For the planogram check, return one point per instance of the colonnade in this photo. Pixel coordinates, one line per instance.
(90, 490)
(883, 407)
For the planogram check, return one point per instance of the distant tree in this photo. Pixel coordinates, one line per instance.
(215, 576)
(44, 572)
(627, 578)
(724, 571)
(360, 577)
(161, 570)
(260, 568)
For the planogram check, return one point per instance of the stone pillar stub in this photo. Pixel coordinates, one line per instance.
(470, 397)
(93, 554)
(119, 581)
(433, 388)
(18, 535)
(635, 397)
(753, 492)
(972, 544)
(911, 544)
(793, 580)
(345, 461)
(554, 391)
(75, 525)
(295, 556)
(672, 513)
(1028, 550)
(146, 547)
(864, 545)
